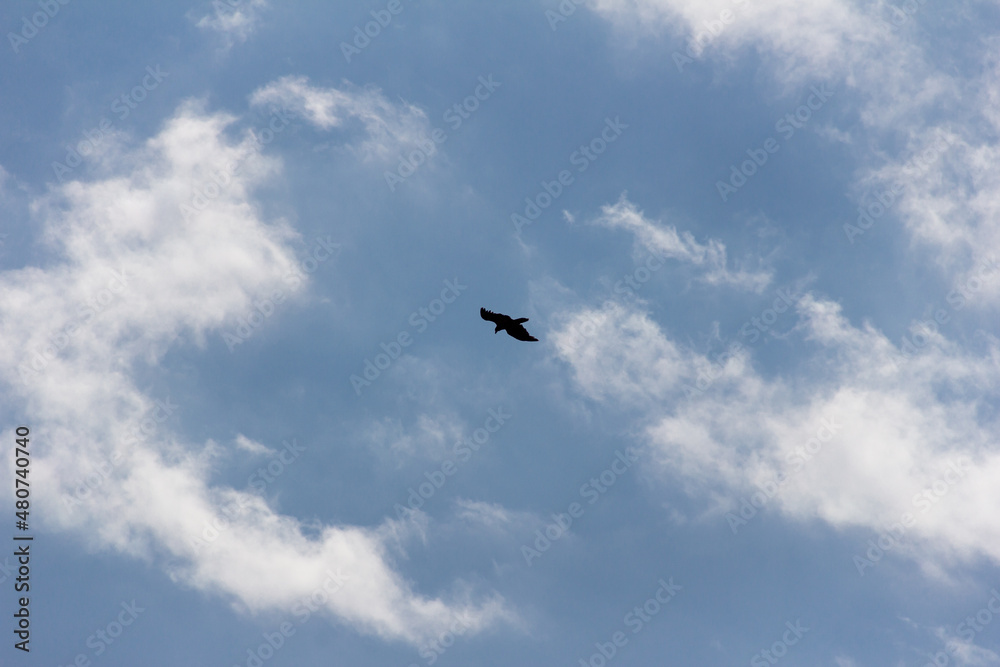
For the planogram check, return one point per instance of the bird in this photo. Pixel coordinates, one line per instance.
(513, 327)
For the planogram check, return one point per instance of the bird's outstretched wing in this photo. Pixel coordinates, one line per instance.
(519, 332)
(490, 316)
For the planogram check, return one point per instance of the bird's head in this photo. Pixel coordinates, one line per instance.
(497, 330)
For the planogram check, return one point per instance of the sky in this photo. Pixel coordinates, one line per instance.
(243, 251)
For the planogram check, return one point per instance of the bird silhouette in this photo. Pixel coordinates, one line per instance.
(504, 323)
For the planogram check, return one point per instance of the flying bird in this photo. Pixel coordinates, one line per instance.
(511, 326)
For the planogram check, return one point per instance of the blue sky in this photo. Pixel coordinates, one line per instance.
(245, 246)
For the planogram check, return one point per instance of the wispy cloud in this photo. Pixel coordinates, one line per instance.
(388, 127)
(664, 240)
(431, 437)
(251, 446)
(234, 20)
(965, 652)
(493, 516)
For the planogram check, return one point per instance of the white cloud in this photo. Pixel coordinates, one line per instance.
(389, 127)
(900, 87)
(824, 39)
(235, 20)
(130, 276)
(885, 426)
(947, 187)
(495, 517)
(492, 515)
(431, 437)
(251, 446)
(620, 355)
(966, 653)
(665, 241)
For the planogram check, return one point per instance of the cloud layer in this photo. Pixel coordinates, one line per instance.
(862, 434)
(165, 249)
